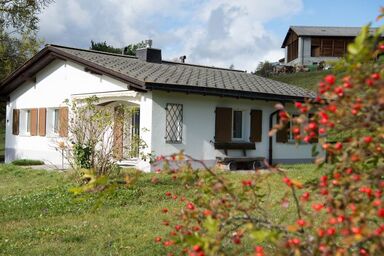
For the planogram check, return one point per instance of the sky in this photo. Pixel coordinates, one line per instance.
(217, 33)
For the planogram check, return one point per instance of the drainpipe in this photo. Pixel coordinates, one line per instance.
(302, 51)
(270, 149)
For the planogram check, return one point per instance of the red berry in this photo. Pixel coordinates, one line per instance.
(301, 222)
(317, 207)
(367, 139)
(190, 206)
(369, 82)
(330, 79)
(375, 76)
(207, 212)
(168, 243)
(196, 248)
(165, 210)
(312, 125)
(380, 213)
(298, 104)
(338, 146)
(168, 194)
(158, 239)
(347, 85)
(287, 181)
(305, 196)
(331, 231)
(296, 130)
(247, 183)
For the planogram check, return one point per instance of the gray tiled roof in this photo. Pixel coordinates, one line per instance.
(178, 74)
(327, 31)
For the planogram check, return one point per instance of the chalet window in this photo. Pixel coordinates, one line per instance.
(57, 121)
(237, 130)
(28, 121)
(174, 123)
(56, 118)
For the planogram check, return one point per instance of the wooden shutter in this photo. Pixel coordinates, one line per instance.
(42, 121)
(15, 121)
(33, 121)
(223, 125)
(63, 122)
(282, 135)
(256, 125)
(118, 133)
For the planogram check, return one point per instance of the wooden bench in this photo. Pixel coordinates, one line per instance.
(235, 145)
(235, 163)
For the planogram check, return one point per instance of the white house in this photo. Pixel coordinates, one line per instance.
(208, 112)
(310, 45)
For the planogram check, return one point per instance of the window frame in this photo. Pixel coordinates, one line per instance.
(50, 122)
(173, 136)
(55, 121)
(241, 123)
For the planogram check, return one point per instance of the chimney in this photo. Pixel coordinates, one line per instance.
(182, 58)
(148, 53)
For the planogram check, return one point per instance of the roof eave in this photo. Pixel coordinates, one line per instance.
(45, 57)
(224, 92)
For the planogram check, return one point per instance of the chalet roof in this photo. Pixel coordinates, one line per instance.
(170, 76)
(324, 31)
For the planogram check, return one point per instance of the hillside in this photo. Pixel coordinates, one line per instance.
(308, 80)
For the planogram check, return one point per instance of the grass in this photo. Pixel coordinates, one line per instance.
(27, 162)
(307, 80)
(38, 216)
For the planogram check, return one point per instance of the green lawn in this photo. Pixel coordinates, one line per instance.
(308, 80)
(38, 216)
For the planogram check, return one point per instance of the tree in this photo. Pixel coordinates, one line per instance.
(264, 69)
(128, 50)
(104, 47)
(18, 28)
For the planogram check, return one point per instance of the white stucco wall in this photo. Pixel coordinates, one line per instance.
(58, 81)
(199, 128)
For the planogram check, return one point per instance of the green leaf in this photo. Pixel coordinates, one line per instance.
(263, 235)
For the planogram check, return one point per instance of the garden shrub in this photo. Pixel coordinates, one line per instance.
(342, 213)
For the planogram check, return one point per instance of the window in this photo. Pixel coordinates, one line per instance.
(237, 124)
(28, 121)
(53, 122)
(174, 123)
(290, 125)
(56, 118)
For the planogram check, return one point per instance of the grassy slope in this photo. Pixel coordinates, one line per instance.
(38, 216)
(308, 80)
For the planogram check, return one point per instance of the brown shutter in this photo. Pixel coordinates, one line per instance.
(256, 125)
(42, 121)
(223, 125)
(118, 133)
(63, 125)
(282, 135)
(15, 121)
(34, 113)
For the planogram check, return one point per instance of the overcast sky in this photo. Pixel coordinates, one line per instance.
(210, 32)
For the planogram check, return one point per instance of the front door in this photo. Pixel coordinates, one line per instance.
(126, 132)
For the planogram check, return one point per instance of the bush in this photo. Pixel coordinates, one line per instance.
(340, 214)
(26, 162)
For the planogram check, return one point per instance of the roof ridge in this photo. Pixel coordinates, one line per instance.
(89, 50)
(134, 57)
(203, 66)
